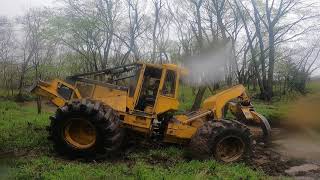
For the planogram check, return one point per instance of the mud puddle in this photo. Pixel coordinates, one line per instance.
(291, 153)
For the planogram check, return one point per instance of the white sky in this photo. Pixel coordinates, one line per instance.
(14, 8)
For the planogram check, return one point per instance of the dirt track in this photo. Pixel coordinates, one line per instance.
(295, 147)
(291, 153)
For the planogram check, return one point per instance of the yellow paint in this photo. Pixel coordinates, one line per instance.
(180, 131)
(79, 133)
(133, 101)
(217, 102)
(181, 118)
(247, 112)
(142, 124)
(49, 90)
(177, 131)
(112, 97)
(165, 103)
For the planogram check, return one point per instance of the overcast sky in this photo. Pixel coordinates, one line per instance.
(13, 8)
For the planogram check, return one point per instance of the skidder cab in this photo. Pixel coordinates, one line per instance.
(96, 108)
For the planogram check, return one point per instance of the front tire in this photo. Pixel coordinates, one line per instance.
(86, 129)
(226, 141)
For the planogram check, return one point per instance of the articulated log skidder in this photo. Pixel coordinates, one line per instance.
(96, 109)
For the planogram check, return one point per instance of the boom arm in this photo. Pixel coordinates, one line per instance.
(217, 102)
(242, 109)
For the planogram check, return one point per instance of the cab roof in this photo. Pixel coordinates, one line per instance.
(173, 67)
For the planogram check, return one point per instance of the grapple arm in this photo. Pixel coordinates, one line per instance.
(217, 102)
(238, 103)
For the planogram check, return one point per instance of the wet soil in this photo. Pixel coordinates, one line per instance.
(291, 153)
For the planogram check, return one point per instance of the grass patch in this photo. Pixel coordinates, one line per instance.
(23, 130)
(45, 167)
(314, 86)
(275, 111)
(278, 109)
(21, 127)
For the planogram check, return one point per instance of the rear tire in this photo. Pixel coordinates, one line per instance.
(86, 129)
(226, 141)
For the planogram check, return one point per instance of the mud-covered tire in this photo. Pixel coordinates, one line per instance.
(104, 120)
(204, 143)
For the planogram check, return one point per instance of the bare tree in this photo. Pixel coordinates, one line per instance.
(198, 32)
(30, 45)
(135, 28)
(7, 46)
(36, 47)
(160, 32)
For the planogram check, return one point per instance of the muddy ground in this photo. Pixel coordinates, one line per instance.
(295, 147)
(294, 153)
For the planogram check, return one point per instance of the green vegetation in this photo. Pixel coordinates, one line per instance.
(45, 167)
(23, 131)
(314, 86)
(21, 127)
(274, 111)
(29, 155)
(277, 110)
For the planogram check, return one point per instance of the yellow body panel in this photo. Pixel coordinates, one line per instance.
(138, 123)
(49, 91)
(217, 102)
(179, 133)
(181, 118)
(165, 104)
(112, 97)
(58, 101)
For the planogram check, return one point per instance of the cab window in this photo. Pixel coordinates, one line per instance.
(64, 91)
(169, 85)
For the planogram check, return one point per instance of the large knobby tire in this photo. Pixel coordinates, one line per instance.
(224, 140)
(86, 129)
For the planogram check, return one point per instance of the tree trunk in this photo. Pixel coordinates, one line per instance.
(154, 37)
(19, 96)
(269, 92)
(200, 93)
(261, 43)
(253, 54)
(39, 106)
(198, 99)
